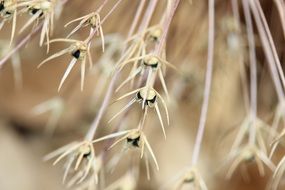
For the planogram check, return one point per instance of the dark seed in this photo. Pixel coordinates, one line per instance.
(2, 6)
(153, 100)
(134, 142)
(87, 155)
(76, 54)
(154, 38)
(34, 11)
(154, 66)
(139, 97)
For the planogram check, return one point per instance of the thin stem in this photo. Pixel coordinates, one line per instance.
(166, 26)
(21, 44)
(235, 11)
(137, 16)
(102, 6)
(281, 10)
(271, 43)
(267, 51)
(89, 136)
(208, 81)
(148, 15)
(253, 70)
(236, 15)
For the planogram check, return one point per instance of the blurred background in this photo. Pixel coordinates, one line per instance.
(26, 134)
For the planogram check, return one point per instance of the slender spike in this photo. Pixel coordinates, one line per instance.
(62, 52)
(147, 167)
(66, 153)
(58, 151)
(67, 169)
(77, 28)
(233, 166)
(163, 83)
(150, 151)
(31, 20)
(70, 66)
(75, 20)
(88, 168)
(122, 110)
(123, 64)
(128, 94)
(102, 38)
(135, 73)
(118, 141)
(83, 73)
(89, 57)
(45, 30)
(120, 133)
(266, 161)
(260, 166)
(160, 119)
(13, 27)
(164, 106)
(64, 40)
(79, 160)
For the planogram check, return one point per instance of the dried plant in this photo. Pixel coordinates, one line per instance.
(156, 58)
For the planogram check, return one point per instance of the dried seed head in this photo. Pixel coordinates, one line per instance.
(134, 139)
(151, 61)
(85, 150)
(248, 155)
(42, 6)
(189, 177)
(79, 51)
(154, 34)
(7, 8)
(149, 95)
(94, 20)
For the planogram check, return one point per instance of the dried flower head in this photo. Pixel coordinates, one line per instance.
(151, 63)
(260, 129)
(249, 154)
(8, 11)
(82, 181)
(93, 21)
(148, 97)
(40, 10)
(193, 178)
(134, 139)
(79, 51)
(189, 178)
(80, 154)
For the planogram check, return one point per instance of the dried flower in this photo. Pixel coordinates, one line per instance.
(79, 50)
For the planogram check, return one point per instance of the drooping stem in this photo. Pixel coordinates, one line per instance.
(208, 81)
